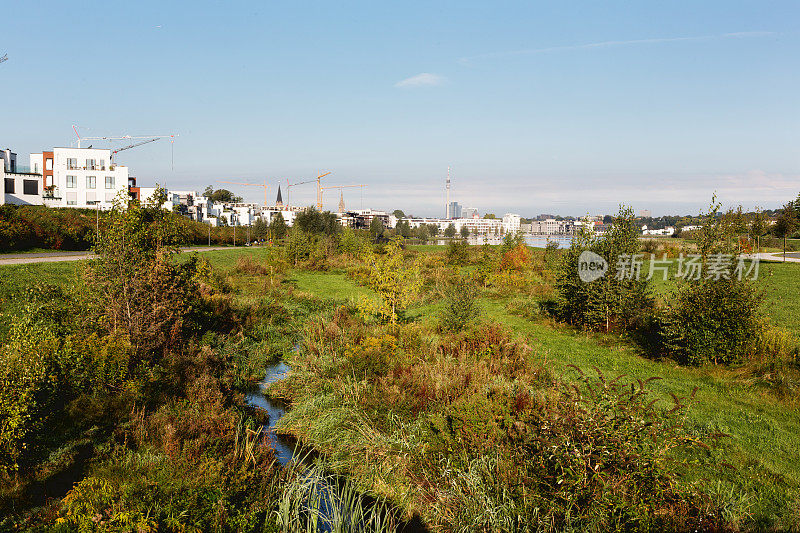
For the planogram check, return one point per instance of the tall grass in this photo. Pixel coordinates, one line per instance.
(314, 500)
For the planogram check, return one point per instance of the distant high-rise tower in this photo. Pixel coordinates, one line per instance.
(279, 200)
(341, 201)
(447, 204)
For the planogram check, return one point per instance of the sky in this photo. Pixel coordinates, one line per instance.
(537, 107)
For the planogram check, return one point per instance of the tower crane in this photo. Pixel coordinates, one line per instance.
(4, 58)
(251, 185)
(122, 137)
(319, 188)
(340, 187)
(134, 145)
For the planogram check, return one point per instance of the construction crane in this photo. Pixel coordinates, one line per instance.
(251, 185)
(319, 188)
(134, 145)
(322, 189)
(122, 137)
(4, 58)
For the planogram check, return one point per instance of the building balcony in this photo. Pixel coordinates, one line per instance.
(51, 193)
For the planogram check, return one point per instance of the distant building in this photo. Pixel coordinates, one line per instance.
(20, 186)
(454, 210)
(469, 212)
(80, 177)
(645, 213)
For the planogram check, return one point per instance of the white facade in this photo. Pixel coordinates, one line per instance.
(83, 176)
(20, 188)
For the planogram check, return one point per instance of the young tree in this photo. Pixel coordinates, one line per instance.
(376, 228)
(398, 213)
(464, 232)
(278, 226)
(450, 231)
(395, 282)
(260, 229)
(616, 300)
(757, 228)
(786, 224)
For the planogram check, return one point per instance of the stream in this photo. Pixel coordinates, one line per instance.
(284, 446)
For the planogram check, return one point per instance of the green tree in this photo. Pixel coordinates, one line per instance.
(464, 232)
(221, 195)
(714, 315)
(398, 213)
(395, 282)
(757, 227)
(321, 223)
(278, 226)
(786, 224)
(422, 232)
(260, 229)
(376, 228)
(135, 285)
(490, 216)
(617, 300)
(450, 231)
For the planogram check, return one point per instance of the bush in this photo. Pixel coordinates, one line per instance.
(712, 320)
(460, 306)
(457, 253)
(617, 300)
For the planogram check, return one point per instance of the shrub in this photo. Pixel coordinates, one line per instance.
(617, 300)
(712, 321)
(457, 253)
(460, 306)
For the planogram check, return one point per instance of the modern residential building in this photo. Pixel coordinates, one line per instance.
(20, 186)
(80, 177)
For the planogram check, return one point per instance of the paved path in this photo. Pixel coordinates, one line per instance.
(791, 257)
(53, 257)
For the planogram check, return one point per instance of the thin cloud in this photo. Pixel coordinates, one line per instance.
(610, 44)
(424, 79)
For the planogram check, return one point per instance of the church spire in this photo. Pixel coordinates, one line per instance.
(279, 201)
(341, 201)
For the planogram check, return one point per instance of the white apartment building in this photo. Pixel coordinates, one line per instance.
(19, 187)
(510, 223)
(80, 177)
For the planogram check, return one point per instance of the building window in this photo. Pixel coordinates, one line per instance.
(90, 164)
(9, 185)
(36, 168)
(102, 164)
(71, 180)
(30, 187)
(91, 197)
(72, 198)
(48, 164)
(109, 197)
(72, 163)
(109, 182)
(91, 182)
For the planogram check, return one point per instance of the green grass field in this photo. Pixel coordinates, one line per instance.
(764, 447)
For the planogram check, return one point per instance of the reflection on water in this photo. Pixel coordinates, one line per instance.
(283, 445)
(537, 241)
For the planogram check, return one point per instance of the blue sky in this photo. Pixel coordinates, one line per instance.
(557, 107)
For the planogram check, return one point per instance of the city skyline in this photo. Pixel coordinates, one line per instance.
(537, 108)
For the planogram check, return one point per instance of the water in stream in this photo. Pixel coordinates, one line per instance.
(283, 445)
(324, 496)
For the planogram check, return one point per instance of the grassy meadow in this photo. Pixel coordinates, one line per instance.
(351, 402)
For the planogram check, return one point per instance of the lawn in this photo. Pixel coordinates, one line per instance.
(765, 433)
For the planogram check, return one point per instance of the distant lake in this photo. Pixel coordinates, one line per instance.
(536, 241)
